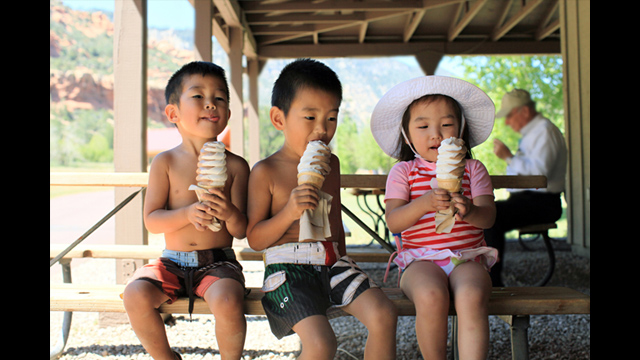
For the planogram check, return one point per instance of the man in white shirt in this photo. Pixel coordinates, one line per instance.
(541, 151)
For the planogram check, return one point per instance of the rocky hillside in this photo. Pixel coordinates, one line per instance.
(81, 66)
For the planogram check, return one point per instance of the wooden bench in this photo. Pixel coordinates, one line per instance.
(152, 252)
(514, 305)
(507, 301)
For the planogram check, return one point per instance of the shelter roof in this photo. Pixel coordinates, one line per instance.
(335, 28)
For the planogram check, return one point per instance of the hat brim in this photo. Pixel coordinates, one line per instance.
(386, 119)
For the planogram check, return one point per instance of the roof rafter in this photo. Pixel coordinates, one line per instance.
(545, 28)
(322, 27)
(502, 30)
(456, 28)
(255, 7)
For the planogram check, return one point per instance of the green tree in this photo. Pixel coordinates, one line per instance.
(271, 139)
(346, 146)
(496, 75)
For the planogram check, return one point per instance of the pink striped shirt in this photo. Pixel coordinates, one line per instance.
(409, 180)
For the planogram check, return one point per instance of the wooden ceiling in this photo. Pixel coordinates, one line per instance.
(361, 28)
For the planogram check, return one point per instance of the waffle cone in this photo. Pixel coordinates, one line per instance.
(201, 190)
(451, 185)
(312, 178)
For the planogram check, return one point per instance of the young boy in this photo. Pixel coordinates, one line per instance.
(197, 260)
(305, 102)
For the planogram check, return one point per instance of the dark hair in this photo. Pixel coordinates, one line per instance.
(405, 151)
(174, 87)
(303, 73)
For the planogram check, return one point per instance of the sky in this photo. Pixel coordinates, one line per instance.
(162, 14)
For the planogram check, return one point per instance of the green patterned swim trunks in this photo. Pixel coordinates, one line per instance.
(296, 291)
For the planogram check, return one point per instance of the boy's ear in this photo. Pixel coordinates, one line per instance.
(277, 117)
(171, 111)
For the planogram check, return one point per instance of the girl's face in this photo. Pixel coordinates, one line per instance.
(429, 124)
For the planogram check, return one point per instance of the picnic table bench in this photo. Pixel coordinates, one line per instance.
(513, 304)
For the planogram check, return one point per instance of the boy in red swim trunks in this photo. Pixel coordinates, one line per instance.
(197, 261)
(303, 278)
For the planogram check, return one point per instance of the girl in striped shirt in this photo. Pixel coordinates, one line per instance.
(409, 123)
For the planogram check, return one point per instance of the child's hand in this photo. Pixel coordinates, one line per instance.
(303, 197)
(462, 203)
(437, 199)
(218, 204)
(198, 216)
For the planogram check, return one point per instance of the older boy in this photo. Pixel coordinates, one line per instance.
(196, 261)
(305, 103)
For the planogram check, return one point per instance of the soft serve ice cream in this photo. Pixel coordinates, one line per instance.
(450, 164)
(314, 164)
(212, 165)
(449, 173)
(312, 168)
(211, 173)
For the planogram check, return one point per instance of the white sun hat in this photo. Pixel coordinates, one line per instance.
(478, 111)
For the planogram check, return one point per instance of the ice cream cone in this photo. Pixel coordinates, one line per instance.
(451, 185)
(211, 173)
(312, 178)
(201, 190)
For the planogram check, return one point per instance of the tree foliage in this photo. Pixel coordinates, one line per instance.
(496, 75)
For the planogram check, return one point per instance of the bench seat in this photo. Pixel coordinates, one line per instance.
(503, 301)
(367, 254)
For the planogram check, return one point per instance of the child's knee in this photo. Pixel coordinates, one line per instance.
(386, 314)
(228, 302)
(142, 294)
(472, 296)
(323, 346)
(432, 299)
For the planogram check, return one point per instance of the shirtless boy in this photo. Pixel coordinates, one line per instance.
(305, 103)
(197, 261)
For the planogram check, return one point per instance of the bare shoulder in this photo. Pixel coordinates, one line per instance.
(237, 164)
(265, 168)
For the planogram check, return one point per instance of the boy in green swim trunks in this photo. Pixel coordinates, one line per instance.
(305, 278)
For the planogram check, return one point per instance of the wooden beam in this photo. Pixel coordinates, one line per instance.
(363, 32)
(260, 19)
(203, 30)
(255, 7)
(130, 114)
(378, 49)
(236, 122)
(233, 16)
(456, 28)
(346, 180)
(230, 12)
(548, 30)
(545, 29)
(253, 71)
(428, 61)
(323, 27)
(524, 11)
(412, 24)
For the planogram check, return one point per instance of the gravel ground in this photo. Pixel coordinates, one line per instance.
(550, 337)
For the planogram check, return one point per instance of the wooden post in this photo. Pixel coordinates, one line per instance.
(130, 114)
(254, 68)
(235, 88)
(576, 55)
(203, 30)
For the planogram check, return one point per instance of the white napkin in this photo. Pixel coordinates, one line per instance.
(314, 224)
(215, 223)
(445, 219)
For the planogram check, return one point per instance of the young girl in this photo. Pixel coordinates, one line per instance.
(409, 123)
